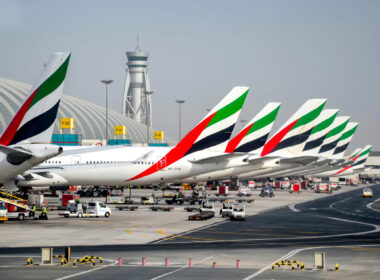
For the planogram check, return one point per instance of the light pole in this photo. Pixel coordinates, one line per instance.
(107, 82)
(147, 93)
(180, 102)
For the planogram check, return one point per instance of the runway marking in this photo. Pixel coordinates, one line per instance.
(294, 252)
(181, 268)
(369, 205)
(340, 201)
(293, 208)
(160, 231)
(128, 231)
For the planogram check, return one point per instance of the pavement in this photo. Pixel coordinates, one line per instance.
(345, 226)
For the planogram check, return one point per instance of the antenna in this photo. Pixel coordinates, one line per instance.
(138, 43)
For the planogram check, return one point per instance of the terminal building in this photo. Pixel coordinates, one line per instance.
(83, 123)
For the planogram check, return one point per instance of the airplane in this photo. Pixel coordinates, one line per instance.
(330, 128)
(250, 139)
(26, 140)
(284, 149)
(201, 150)
(356, 165)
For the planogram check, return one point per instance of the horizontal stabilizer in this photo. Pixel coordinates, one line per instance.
(15, 156)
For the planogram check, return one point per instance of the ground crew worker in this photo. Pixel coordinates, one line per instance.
(32, 212)
(43, 215)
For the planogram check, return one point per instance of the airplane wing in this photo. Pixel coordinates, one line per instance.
(300, 160)
(214, 158)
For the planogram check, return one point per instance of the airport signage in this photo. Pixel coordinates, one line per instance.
(67, 123)
(120, 130)
(159, 135)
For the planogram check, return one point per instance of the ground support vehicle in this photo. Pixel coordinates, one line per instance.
(74, 209)
(245, 200)
(367, 192)
(244, 191)
(238, 212)
(179, 198)
(157, 208)
(191, 209)
(3, 213)
(266, 191)
(126, 207)
(149, 200)
(201, 216)
(94, 209)
(208, 208)
(16, 208)
(226, 210)
(115, 196)
(323, 187)
(222, 190)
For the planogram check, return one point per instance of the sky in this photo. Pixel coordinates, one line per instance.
(286, 51)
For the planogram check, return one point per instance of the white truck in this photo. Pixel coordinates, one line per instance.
(3, 213)
(208, 207)
(238, 212)
(244, 191)
(94, 209)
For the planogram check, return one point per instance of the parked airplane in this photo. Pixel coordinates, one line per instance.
(356, 165)
(251, 139)
(201, 150)
(284, 149)
(330, 132)
(25, 142)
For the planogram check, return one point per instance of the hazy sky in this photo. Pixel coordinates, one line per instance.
(286, 51)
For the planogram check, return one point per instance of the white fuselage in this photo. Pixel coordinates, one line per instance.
(123, 166)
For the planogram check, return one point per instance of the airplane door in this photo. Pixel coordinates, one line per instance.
(75, 160)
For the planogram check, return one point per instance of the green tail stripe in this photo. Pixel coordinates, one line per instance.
(229, 109)
(337, 130)
(309, 116)
(51, 83)
(325, 124)
(349, 133)
(365, 152)
(264, 121)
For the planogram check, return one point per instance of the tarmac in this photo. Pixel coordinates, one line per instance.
(288, 226)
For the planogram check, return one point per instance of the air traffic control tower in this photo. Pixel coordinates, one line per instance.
(137, 102)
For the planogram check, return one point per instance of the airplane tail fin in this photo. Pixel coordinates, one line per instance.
(354, 154)
(293, 134)
(254, 135)
(358, 161)
(332, 138)
(320, 130)
(212, 132)
(34, 122)
(345, 139)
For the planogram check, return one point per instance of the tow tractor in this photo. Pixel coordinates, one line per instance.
(94, 209)
(238, 212)
(178, 198)
(226, 210)
(208, 207)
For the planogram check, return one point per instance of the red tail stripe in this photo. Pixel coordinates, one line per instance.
(343, 169)
(178, 151)
(231, 146)
(12, 128)
(273, 142)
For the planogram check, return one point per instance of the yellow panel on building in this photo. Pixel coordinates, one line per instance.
(67, 123)
(120, 130)
(159, 135)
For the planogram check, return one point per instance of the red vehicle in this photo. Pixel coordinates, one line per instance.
(66, 197)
